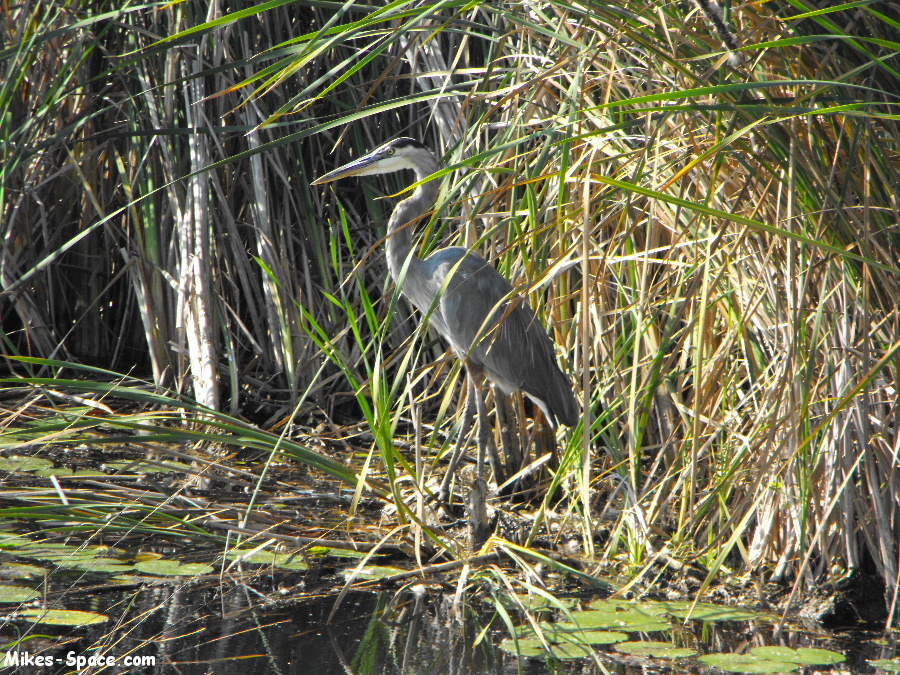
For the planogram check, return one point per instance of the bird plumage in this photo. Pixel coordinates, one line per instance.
(466, 299)
(489, 325)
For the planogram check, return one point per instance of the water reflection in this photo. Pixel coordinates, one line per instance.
(236, 630)
(372, 633)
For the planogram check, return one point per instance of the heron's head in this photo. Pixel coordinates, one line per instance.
(396, 155)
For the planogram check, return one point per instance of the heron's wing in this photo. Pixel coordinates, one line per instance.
(490, 325)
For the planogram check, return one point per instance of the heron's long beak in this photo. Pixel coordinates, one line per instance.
(353, 168)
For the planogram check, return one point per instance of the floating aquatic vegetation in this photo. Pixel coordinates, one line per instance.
(701, 611)
(17, 594)
(90, 564)
(887, 665)
(535, 602)
(372, 572)
(773, 659)
(63, 617)
(173, 568)
(620, 616)
(266, 556)
(65, 472)
(657, 650)
(533, 647)
(18, 463)
(11, 570)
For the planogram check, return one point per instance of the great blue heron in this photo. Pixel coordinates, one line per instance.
(490, 327)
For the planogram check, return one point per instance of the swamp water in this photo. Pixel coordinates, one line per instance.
(125, 576)
(192, 631)
(188, 618)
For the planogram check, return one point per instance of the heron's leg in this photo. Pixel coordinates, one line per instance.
(461, 441)
(478, 523)
(493, 455)
(510, 440)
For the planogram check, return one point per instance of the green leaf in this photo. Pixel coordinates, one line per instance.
(173, 568)
(24, 464)
(748, 663)
(703, 611)
(887, 665)
(659, 650)
(17, 594)
(13, 570)
(288, 561)
(63, 617)
(804, 656)
(372, 572)
(533, 647)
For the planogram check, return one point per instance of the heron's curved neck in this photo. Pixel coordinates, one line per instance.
(400, 231)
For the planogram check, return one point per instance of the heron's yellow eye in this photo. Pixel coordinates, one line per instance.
(390, 151)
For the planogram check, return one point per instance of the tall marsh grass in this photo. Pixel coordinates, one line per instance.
(713, 247)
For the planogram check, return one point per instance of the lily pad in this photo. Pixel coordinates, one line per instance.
(65, 555)
(45, 550)
(21, 571)
(535, 602)
(703, 611)
(658, 650)
(624, 618)
(600, 637)
(804, 656)
(19, 463)
(173, 568)
(92, 564)
(65, 472)
(888, 665)
(346, 553)
(147, 555)
(559, 640)
(373, 572)
(54, 471)
(288, 561)
(17, 594)
(747, 663)
(530, 647)
(533, 647)
(570, 632)
(63, 617)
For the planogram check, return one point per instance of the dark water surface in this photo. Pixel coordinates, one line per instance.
(234, 630)
(285, 613)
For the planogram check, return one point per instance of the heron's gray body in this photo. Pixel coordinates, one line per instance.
(474, 307)
(490, 327)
